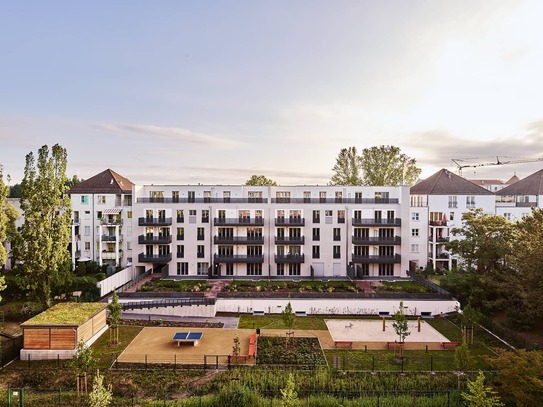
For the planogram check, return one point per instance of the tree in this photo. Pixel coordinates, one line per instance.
(82, 363)
(387, 166)
(101, 395)
(259, 181)
(289, 396)
(288, 319)
(479, 395)
(486, 241)
(115, 310)
(469, 318)
(42, 244)
(347, 168)
(519, 377)
(8, 215)
(15, 191)
(463, 361)
(401, 326)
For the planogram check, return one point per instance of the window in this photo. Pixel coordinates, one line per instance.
(254, 269)
(282, 196)
(255, 196)
(128, 230)
(192, 212)
(229, 269)
(337, 234)
(316, 234)
(180, 233)
(415, 216)
(201, 268)
(316, 216)
(101, 200)
(191, 196)
(341, 216)
(87, 230)
(363, 269)
(84, 199)
(182, 269)
(180, 251)
(414, 248)
(87, 245)
(129, 214)
(200, 234)
(451, 216)
(358, 197)
(470, 202)
(507, 216)
(381, 197)
(87, 215)
(307, 197)
(280, 269)
(415, 232)
(207, 196)
(386, 269)
(337, 252)
(316, 252)
(175, 198)
(322, 197)
(452, 201)
(339, 197)
(294, 269)
(200, 253)
(327, 213)
(157, 195)
(226, 196)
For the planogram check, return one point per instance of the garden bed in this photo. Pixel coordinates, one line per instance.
(273, 350)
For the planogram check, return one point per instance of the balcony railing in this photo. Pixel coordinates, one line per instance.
(154, 221)
(377, 222)
(438, 223)
(202, 200)
(238, 258)
(336, 200)
(290, 221)
(289, 258)
(377, 259)
(112, 238)
(376, 240)
(111, 221)
(154, 258)
(238, 221)
(144, 239)
(289, 240)
(252, 240)
(110, 255)
(180, 219)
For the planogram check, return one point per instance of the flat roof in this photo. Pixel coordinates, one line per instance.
(66, 313)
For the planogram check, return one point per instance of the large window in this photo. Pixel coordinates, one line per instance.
(85, 199)
(470, 202)
(337, 234)
(200, 252)
(180, 251)
(316, 252)
(294, 269)
(202, 268)
(180, 233)
(205, 216)
(337, 252)
(254, 269)
(200, 234)
(386, 269)
(280, 269)
(182, 269)
(452, 201)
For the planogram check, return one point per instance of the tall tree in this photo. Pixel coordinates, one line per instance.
(486, 241)
(42, 244)
(260, 181)
(388, 166)
(347, 168)
(401, 326)
(8, 215)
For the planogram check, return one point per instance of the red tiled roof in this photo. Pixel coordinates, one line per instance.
(445, 182)
(107, 181)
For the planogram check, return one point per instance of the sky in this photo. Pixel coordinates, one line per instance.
(212, 92)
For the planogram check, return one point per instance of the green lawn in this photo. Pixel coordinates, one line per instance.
(276, 322)
(104, 353)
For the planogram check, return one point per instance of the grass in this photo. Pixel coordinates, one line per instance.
(276, 322)
(401, 286)
(105, 353)
(174, 285)
(67, 313)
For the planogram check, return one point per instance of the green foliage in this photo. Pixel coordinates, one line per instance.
(276, 322)
(83, 360)
(386, 165)
(347, 168)
(236, 347)
(115, 309)
(400, 324)
(401, 286)
(101, 395)
(175, 286)
(41, 245)
(301, 351)
(291, 286)
(463, 361)
(288, 316)
(479, 395)
(289, 396)
(260, 180)
(8, 215)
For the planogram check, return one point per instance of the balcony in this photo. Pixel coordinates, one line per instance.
(377, 222)
(110, 220)
(289, 221)
(319, 200)
(112, 238)
(154, 221)
(180, 219)
(376, 259)
(145, 239)
(238, 221)
(154, 258)
(289, 240)
(110, 255)
(245, 240)
(438, 223)
(238, 258)
(289, 258)
(377, 240)
(203, 200)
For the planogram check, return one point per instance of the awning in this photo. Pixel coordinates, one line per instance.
(111, 211)
(82, 259)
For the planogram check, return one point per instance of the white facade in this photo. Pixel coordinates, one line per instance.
(102, 228)
(245, 231)
(514, 207)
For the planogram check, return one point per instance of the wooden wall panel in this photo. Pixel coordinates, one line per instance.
(63, 338)
(36, 338)
(84, 332)
(99, 321)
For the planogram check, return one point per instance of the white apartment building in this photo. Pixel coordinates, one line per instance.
(437, 205)
(185, 231)
(101, 220)
(515, 201)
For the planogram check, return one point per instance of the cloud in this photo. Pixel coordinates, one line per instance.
(176, 134)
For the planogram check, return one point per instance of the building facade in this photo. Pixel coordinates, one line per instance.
(271, 232)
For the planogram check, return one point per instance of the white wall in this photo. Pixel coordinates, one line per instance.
(116, 280)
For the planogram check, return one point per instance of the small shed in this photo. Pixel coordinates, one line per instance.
(56, 332)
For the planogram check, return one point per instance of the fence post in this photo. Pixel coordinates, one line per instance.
(402, 364)
(58, 360)
(29, 360)
(59, 397)
(174, 361)
(431, 363)
(146, 361)
(373, 363)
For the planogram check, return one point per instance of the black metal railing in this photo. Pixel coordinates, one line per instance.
(238, 221)
(377, 222)
(178, 302)
(202, 200)
(154, 221)
(290, 221)
(144, 239)
(289, 240)
(289, 258)
(238, 258)
(377, 259)
(364, 240)
(258, 240)
(154, 258)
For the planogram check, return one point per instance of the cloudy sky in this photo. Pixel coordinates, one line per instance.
(214, 91)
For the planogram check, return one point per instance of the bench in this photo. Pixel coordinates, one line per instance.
(343, 344)
(446, 345)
